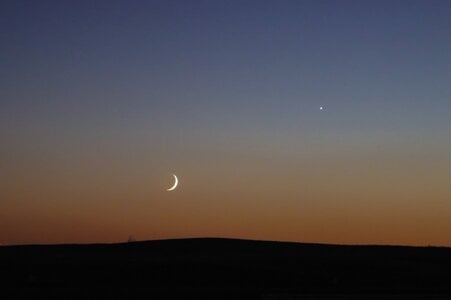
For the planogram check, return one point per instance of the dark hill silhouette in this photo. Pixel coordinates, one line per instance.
(225, 267)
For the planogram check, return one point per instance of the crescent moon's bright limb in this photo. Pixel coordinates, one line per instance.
(176, 182)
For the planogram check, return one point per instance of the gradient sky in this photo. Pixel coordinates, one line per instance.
(101, 101)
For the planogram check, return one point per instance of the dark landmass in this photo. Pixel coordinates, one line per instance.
(213, 268)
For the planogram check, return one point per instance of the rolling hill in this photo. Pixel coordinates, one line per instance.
(225, 268)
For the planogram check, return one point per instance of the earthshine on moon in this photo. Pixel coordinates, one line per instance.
(176, 182)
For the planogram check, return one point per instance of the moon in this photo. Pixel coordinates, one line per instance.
(176, 182)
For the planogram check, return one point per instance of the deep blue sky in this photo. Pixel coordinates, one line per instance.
(226, 89)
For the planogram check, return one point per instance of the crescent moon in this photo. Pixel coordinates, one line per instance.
(176, 182)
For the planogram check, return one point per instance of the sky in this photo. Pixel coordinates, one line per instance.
(102, 101)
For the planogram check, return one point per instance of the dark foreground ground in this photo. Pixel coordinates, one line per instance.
(223, 269)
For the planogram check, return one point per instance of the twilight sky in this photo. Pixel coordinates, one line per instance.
(101, 101)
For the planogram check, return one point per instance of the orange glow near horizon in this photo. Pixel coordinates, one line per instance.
(374, 199)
